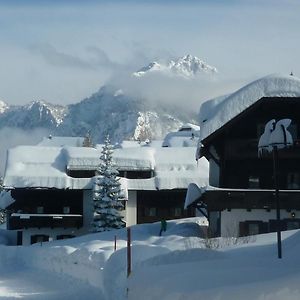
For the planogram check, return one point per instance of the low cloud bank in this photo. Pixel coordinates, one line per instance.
(176, 90)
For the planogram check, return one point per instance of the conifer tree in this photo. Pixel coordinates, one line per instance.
(106, 193)
(87, 142)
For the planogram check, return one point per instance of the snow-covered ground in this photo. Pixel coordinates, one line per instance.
(178, 265)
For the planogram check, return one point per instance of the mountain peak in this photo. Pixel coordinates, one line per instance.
(187, 66)
(3, 106)
(55, 113)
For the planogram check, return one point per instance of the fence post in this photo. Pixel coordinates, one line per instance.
(128, 251)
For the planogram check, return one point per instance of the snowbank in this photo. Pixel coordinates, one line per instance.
(178, 265)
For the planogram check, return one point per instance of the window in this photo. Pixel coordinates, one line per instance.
(291, 224)
(253, 182)
(64, 236)
(253, 228)
(293, 180)
(40, 210)
(81, 173)
(138, 174)
(150, 211)
(177, 211)
(67, 209)
(39, 238)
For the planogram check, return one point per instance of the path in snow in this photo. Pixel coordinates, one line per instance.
(34, 284)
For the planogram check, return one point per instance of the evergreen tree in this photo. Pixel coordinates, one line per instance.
(106, 193)
(87, 142)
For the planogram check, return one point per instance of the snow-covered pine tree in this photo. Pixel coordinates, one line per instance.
(87, 142)
(106, 193)
(143, 129)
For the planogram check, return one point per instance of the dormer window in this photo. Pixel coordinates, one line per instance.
(138, 174)
(81, 173)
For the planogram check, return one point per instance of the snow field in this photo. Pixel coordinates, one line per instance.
(91, 260)
(179, 265)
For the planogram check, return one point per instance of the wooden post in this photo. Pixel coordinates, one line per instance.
(128, 251)
(275, 169)
(115, 245)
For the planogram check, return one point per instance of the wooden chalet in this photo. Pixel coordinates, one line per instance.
(52, 186)
(240, 196)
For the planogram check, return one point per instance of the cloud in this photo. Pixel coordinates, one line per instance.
(52, 56)
(14, 137)
(56, 58)
(101, 58)
(174, 90)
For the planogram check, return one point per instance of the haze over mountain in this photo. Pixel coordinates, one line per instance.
(110, 110)
(107, 111)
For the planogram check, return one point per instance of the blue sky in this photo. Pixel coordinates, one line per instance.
(63, 51)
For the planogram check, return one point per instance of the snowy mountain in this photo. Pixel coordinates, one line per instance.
(37, 114)
(187, 66)
(123, 117)
(3, 106)
(107, 111)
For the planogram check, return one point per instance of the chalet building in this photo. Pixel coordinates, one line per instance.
(240, 196)
(52, 183)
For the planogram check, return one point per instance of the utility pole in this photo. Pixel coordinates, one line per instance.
(128, 251)
(278, 221)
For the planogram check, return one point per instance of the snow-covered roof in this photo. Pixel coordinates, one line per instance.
(45, 167)
(186, 136)
(193, 193)
(60, 141)
(37, 166)
(190, 127)
(217, 112)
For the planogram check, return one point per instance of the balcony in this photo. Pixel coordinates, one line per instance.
(20, 221)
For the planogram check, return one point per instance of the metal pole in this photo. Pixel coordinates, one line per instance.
(128, 251)
(278, 222)
(115, 245)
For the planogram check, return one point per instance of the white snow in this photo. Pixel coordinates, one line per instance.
(187, 66)
(178, 265)
(60, 141)
(280, 136)
(193, 193)
(217, 112)
(39, 166)
(3, 106)
(186, 136)
(5, 199)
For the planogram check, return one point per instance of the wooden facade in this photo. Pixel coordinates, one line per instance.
(130, 174)
(40, 210)
(246, 180)
(154, 206)
(45, 208)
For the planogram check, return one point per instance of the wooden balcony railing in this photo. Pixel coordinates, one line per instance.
(21, 221)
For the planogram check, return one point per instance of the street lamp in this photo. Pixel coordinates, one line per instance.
(276, 136)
